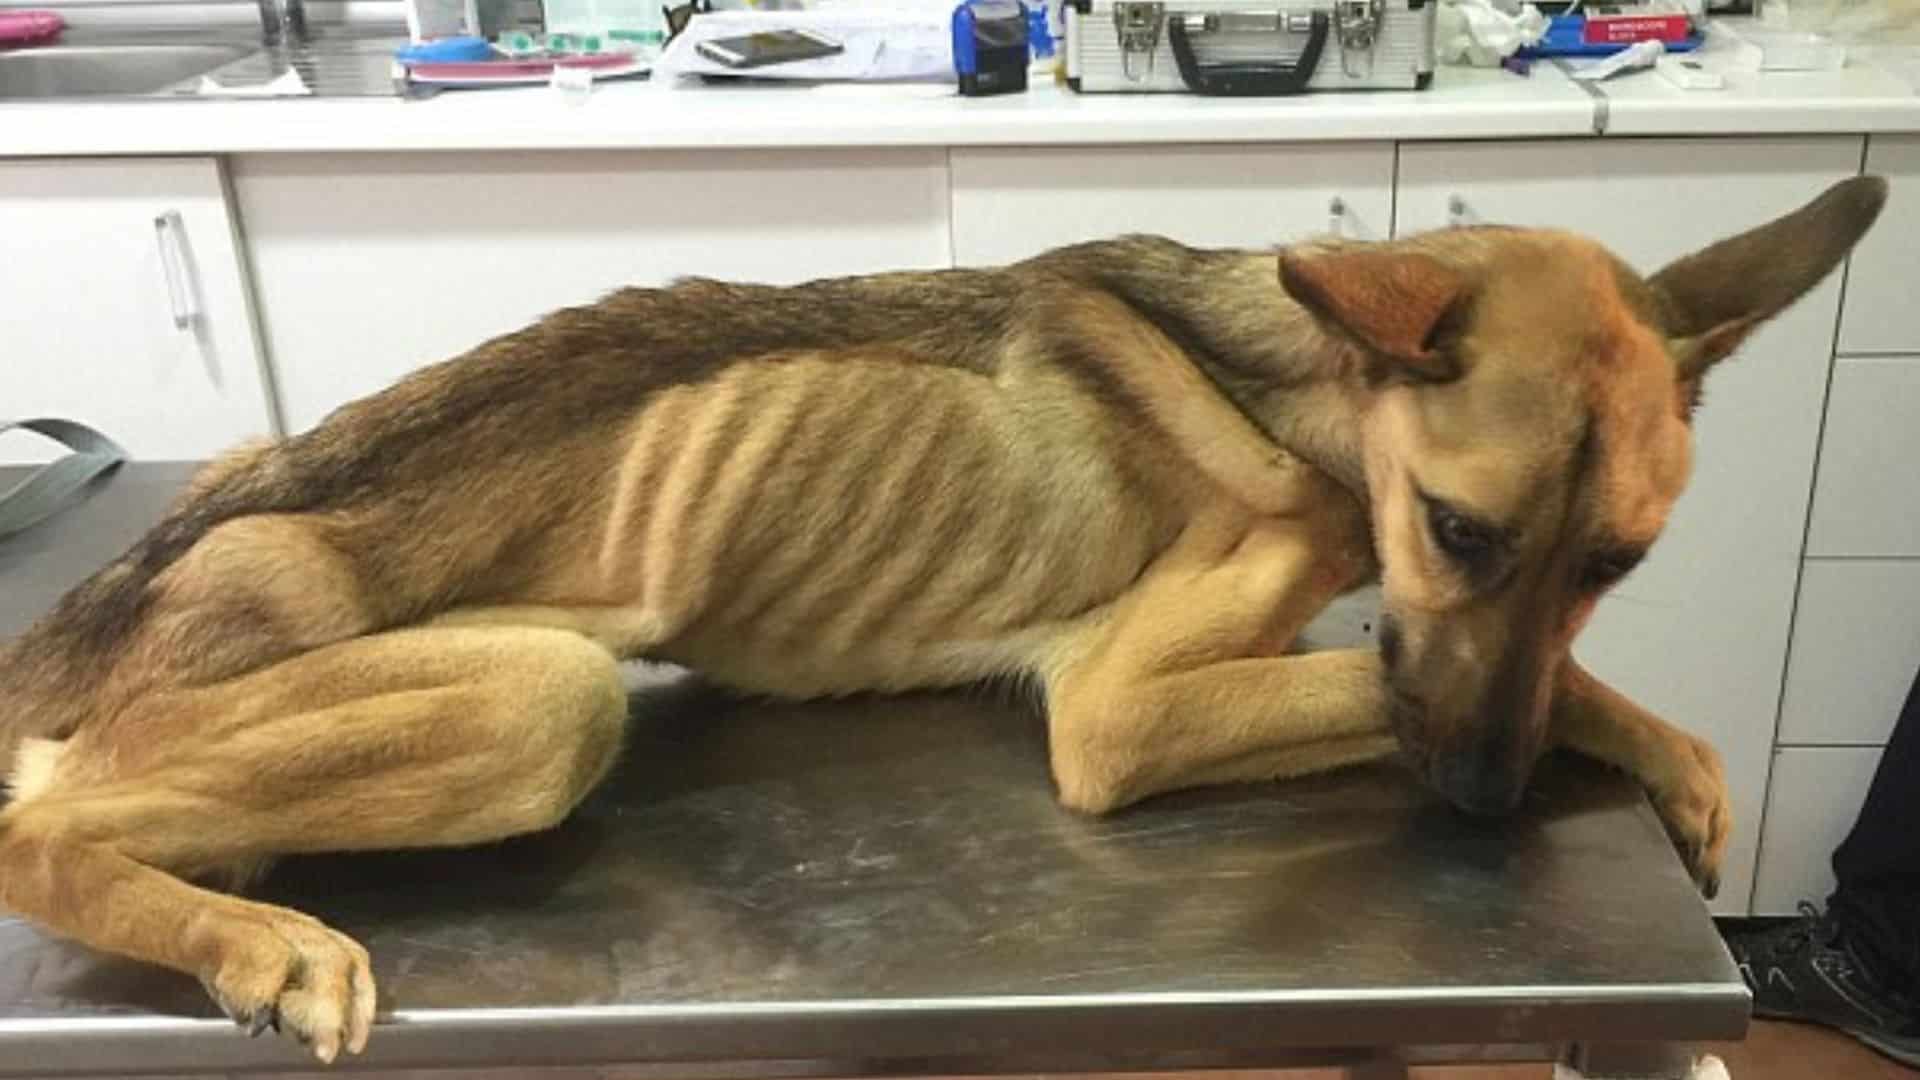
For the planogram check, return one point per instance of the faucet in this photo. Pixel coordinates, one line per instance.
(282, 21)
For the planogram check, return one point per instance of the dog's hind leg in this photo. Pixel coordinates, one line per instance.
(414, 738)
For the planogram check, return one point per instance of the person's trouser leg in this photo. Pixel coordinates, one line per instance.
(1877, 899)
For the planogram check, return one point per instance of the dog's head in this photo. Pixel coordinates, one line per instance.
(1526, 433)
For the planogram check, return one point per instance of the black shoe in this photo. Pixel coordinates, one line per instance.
(1803, 970)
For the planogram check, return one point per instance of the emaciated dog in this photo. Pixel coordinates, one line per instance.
(1126, 472)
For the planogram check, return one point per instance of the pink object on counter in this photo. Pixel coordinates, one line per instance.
(29, 27)
(516, 67)
(521, 71)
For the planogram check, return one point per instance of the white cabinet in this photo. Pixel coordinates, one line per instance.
(369, 266)
(1699, 633)
(1881, 315)
(1012, 203)
(1817, 793)
(126, 307)
(1856, 647)
(1865, 499)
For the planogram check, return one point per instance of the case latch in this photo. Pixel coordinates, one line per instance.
(1138, 24)
(1356, 26)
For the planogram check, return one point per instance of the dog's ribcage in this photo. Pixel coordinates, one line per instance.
(817, 525)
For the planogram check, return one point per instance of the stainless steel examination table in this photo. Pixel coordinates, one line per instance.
(886, 887)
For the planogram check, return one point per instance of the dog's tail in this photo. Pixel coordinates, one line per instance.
(41, 696)
(17, 720)
(47, 685)
(52, 676)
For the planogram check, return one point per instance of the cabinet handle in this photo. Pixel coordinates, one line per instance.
(1459, 213)
(1337, 217)
(169, 232)
(1343, 223)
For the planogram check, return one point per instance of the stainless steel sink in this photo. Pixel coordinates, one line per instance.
(121, 69)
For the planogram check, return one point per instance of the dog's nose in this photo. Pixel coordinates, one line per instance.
(1489, 803)
(1480, 791)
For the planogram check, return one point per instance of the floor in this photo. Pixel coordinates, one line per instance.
(1772, 1051)
(1775, 1051)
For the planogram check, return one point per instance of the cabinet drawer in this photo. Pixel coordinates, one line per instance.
(1880, 315)
(1865, 500)
(1856, 646)
(1815, 795)
(1009, 204)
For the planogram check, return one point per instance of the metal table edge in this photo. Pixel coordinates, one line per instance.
(1000, 1033)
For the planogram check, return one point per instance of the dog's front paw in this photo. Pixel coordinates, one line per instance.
(1691, 798)
(281, 969)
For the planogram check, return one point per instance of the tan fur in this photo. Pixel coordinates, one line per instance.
(1125, 474)
(35, 767)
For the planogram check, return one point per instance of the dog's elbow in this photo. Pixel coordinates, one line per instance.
(1091, 774)
(1092, 799)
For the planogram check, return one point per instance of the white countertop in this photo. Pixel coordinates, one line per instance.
(1462, 104)
(1862, 97)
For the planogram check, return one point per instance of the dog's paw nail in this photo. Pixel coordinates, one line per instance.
(262, 1019)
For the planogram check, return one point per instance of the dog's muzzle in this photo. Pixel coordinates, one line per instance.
(1476, 791)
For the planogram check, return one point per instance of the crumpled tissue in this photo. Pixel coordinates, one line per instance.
(1481, 33)
(287, 84)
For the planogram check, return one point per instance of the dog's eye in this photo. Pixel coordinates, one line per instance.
(1605, 570)
(1458, 535)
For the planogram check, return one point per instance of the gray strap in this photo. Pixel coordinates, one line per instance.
(42, 495)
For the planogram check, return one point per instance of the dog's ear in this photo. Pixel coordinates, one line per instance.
(1713, 299)
(1400, 304)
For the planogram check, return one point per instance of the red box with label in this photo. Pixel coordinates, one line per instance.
(1625, 25)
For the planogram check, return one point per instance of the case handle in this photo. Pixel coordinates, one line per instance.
(1247, 80)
